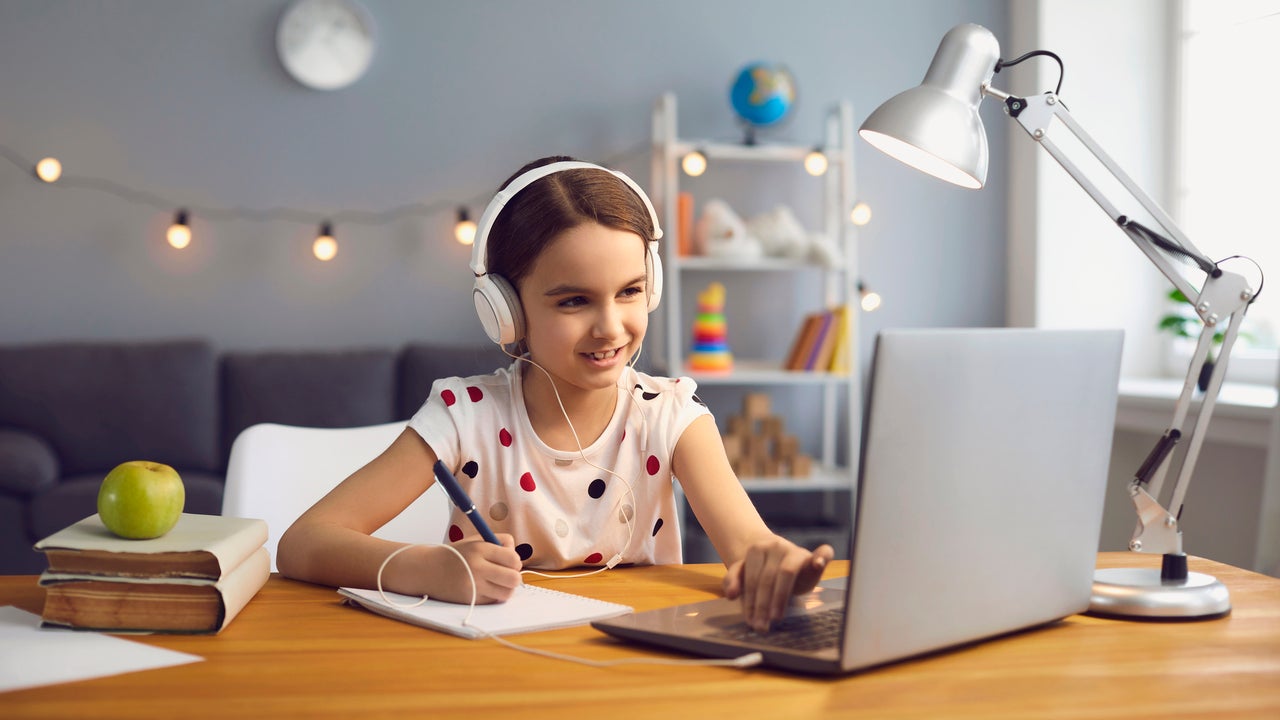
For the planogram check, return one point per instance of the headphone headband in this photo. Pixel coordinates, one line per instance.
(479, 250)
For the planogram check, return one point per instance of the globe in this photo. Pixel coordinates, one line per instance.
(763, 93)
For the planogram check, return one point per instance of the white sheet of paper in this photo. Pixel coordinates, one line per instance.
(31, 656)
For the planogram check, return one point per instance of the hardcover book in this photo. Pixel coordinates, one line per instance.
(199, 546)
(154, 604)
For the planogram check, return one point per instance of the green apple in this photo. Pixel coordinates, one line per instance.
(141, 499)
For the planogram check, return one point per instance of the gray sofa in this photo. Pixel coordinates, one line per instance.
(71, 411)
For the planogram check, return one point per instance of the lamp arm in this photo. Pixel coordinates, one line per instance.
(1223, 298)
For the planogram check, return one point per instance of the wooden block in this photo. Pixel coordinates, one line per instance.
(787, 447)
(771, 468)
(801, 466)
(739, 426)
(771, 426)
(756, 406)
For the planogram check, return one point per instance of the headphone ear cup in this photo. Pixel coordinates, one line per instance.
(653, 264)
(498, 307)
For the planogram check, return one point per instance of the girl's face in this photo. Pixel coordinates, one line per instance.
(586, 306)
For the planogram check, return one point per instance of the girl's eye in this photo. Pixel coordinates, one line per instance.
(633, 291)
(573, 302)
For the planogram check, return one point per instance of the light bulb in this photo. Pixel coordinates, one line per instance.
(325, 247)
(49, 170)
(861, 214)
(179, 233)
(870, 299)
(815, 163)
(694, 163)
(465, 229)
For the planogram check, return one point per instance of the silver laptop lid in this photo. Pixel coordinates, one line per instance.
(1002, 439)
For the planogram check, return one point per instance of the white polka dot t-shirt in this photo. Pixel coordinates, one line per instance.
(561, 511)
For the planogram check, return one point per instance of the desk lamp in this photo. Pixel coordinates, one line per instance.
(935, 128)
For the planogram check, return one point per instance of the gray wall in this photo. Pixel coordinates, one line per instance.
(187, 100)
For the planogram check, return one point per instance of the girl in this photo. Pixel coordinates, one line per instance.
(569, 452)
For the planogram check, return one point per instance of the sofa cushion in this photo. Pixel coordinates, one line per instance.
(100, 404)
(27, 463)
(16, 555)
(422, 364)
(76, 498)
(310, 388)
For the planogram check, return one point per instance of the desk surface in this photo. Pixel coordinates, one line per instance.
(295, 652)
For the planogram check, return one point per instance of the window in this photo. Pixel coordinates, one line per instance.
(1229, 153)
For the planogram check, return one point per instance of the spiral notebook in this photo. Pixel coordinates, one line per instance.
(530, 609)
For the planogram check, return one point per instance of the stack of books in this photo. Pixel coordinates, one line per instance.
(822, 342)
(194, 579)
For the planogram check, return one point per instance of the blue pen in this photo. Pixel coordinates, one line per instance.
(460, 499)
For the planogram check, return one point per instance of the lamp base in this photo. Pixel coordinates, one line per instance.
(1140, 593)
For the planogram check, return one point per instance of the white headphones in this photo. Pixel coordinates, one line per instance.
(497, 302)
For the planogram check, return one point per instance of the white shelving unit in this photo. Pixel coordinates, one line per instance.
(840, 393)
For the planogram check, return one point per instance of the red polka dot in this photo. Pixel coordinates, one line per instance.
(593, 558)
(455, 533)
(624, 436)
(526, 482)
(504, 437)
(653, 466)
(448, 397)
(474, 393)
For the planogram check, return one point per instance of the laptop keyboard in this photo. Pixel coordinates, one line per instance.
(813, 631)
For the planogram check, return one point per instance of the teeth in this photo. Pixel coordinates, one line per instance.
(604, 355)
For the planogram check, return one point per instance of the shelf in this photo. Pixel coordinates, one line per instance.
(822, 479)
(739, 151)
(759, 372)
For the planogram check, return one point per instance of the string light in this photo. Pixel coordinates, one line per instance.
(815, 163)
(861, 214)
(325, 247)
(179, 233)
(694, 163)
(465, 229)
(49, 170)
(869, 299)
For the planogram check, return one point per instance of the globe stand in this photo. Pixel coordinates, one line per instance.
(748, 134)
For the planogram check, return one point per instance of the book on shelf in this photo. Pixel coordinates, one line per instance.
(199, 546)
(160, 604)
(195, 578)
(804, 341)
(843, 326)
(821, 343)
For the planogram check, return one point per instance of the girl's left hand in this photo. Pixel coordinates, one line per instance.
(773, 570)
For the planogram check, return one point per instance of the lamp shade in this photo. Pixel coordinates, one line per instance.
(935, 127)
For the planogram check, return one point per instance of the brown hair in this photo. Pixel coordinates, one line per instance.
(561, 201)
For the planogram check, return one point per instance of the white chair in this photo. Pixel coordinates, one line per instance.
(276, 472)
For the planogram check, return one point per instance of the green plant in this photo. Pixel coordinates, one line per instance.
(1187, 324)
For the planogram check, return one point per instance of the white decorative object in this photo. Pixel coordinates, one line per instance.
(721, 233)
(326, 44)
(780, 234)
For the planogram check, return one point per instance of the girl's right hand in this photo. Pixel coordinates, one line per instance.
(496, 570)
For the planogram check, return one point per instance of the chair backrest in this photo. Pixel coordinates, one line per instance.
(275, 472)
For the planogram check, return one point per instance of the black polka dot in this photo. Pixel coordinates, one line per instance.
(470, 469)
(525, 551)
(645, 393)
(657, 526)
(596, 488)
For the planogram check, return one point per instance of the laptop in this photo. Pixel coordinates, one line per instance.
(977, 511)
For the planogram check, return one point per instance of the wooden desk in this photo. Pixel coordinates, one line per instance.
(295, 652)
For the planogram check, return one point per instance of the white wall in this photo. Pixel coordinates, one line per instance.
(1071, 267)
